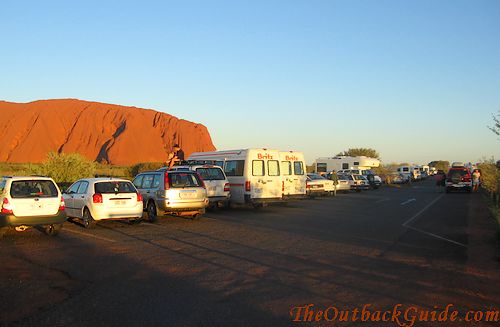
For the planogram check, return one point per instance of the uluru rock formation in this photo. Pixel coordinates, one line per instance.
(103, 132)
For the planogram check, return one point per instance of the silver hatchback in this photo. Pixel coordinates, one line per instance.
(179, 193)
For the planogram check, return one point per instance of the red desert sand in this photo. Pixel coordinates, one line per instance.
(103, 132)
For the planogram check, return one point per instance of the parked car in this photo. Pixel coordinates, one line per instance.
(357, 182)
(179, 193)
(343, 185)
(458, 178)
(396, 178)
(29, 201)
(318, 185)
(216, 183)
(103, 198)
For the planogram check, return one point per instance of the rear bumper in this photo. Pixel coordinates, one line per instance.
(12, 221)
(171, 206)
(214, 199)
(294, 196)
(117, 213)
(360, 187)
(250, 200)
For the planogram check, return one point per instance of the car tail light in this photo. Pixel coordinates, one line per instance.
(62, 204)
(139, 197)
(247, 186)
(466, 178)
(97, 198)
(307, 185)
(227, 187)
(166, 181)
(6, 206)
(282, 186)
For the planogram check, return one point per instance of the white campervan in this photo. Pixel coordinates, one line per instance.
(253, 174)
(327, 164)
(293, 173)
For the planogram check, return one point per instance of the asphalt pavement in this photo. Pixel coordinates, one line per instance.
(413, 245)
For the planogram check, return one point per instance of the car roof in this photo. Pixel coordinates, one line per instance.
(103, 179)
(17, 178)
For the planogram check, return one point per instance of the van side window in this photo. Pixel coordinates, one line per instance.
(138, 181)
(286, 168)
(273, 168)
(234, 167)
(258, 168)
(298, 168)
(219, 163)
(345, 166)
(356, 163)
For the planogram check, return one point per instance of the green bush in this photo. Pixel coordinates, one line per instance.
(65, 168)
(144, 166)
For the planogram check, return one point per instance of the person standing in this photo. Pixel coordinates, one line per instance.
(476, 176)
(335, 179)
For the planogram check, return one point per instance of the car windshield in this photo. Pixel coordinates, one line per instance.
(181, 180)
(343, 177)
(33, 189)
(358, 177)
(114, 187)
(315, 177)
(211, 174)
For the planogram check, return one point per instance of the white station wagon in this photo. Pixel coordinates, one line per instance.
(103, 198)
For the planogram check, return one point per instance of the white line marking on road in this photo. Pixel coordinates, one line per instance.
(436, 236)
(408, 201)
(90, 235)
(415, 216)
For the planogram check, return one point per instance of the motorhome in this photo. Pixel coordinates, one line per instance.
(327, 164)
(293, 173)
(253, 174)
(410, 172)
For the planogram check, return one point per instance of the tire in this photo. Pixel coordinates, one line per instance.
(53, 230)
(88, 220)
(152, 212)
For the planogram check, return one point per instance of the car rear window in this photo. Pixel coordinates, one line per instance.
(33, 189)
(455, 172)
(114, 187)
(211, 174)
(181, 180)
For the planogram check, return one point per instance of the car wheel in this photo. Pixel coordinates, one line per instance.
(152, 213)
(53, 230)
(88, 220)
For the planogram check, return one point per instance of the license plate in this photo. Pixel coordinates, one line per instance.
(315, 186)
(120, 203)
(212, 189)
(37, 206)
(187, 195)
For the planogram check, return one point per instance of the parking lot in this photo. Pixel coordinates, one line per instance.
(413, 245)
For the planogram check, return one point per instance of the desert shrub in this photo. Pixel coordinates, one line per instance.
(65, 168)
(144, 166)
(489, 176)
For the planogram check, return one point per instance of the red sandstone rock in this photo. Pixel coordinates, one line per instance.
(104, 132)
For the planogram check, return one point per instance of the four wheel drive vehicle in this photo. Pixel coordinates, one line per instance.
(216, 183)
(31, 201)
(254, 174)
(357, 182)
(179, 193)
(94, 199)
(319, 185)
(458, 178)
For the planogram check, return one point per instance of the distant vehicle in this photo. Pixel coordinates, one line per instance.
(410, 172)
(327, 164)
(293, 173)
(319, 185)
(457, 164)
(254, 174)
(458, 178)
(29, 201)
(396, 178)
(103, 198)
(179, 193)
(357, 182)
(216, 183)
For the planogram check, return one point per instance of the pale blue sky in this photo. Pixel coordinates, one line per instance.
(416, 80)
